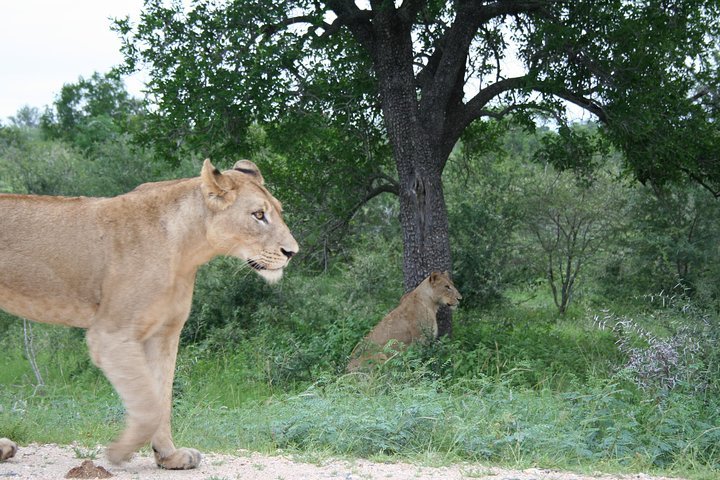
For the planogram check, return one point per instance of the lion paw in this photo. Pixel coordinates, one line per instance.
(180, 459)
(7, 449)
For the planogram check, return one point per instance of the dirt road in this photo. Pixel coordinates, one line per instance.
(52, 462)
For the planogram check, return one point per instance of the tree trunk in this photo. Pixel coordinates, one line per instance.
(426, 242)
(423, 215)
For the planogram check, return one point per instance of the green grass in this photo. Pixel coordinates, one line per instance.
(516, 386)
(406, 415)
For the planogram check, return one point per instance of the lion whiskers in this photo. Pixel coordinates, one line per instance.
(270, 273)
(243, 267)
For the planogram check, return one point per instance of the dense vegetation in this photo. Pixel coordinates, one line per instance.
(587, 336)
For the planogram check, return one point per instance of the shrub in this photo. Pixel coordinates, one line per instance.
(674, 347)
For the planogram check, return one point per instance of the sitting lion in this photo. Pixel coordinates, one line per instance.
(412, 321)
(124, 269)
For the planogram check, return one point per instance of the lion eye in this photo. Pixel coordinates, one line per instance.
(259, 215)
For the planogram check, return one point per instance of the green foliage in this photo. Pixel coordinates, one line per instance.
(30, 164)
(226, 296)
(432, 69)
(410, 415)
(26, 117)
(530, 348)
(483, 207)
(215, 69)
(414, 417)
(309, 172)
(674, 242)
(569, 221)
(91, 111)
(653, 100)
(83, 146)
(516, 385)
(579, 148)
(647, 70)
(305, 325)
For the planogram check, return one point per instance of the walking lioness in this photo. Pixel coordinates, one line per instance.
(124, 268)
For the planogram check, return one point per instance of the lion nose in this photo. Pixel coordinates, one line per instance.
(288, 253)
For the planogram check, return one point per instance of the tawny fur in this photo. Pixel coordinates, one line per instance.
(414, 320)
(124, 269)
(7, 449)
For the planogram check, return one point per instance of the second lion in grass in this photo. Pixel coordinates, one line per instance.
(414, 320)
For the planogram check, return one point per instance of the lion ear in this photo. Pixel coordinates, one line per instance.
(249, 168)
(434, 277)
(216, 188)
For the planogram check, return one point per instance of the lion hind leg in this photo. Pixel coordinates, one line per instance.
(8, 449)
(124, 363)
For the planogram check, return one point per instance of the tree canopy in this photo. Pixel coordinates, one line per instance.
(639, 67)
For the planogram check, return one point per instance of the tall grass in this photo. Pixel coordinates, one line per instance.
(490, 421)
(409, 414)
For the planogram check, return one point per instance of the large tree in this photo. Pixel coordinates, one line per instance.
(644, 69)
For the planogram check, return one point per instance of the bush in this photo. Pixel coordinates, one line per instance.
(303, 326)
(673, 347)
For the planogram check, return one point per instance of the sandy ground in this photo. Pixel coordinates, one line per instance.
(40, 462)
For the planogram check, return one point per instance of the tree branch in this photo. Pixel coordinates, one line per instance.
(475, 107)
(500, 114)
(357, 20)
(451, 49)
(714, 191)
(410, 8)
(390, 186)
(476, 104)
(440, 75)
(580, 101)
(581, 58)
(351, 20)
(270, 29)
(702, 92)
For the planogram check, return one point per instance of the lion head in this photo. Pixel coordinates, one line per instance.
(443, 289)
(246, 220)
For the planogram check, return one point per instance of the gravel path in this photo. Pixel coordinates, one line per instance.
(51, 462)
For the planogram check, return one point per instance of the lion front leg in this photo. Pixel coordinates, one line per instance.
(124, 363)
(161, 352)
(7, 449)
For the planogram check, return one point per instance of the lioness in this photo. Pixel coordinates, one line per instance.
(124, 269)
(411, 321)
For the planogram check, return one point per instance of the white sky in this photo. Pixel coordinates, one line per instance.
(45, 44)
